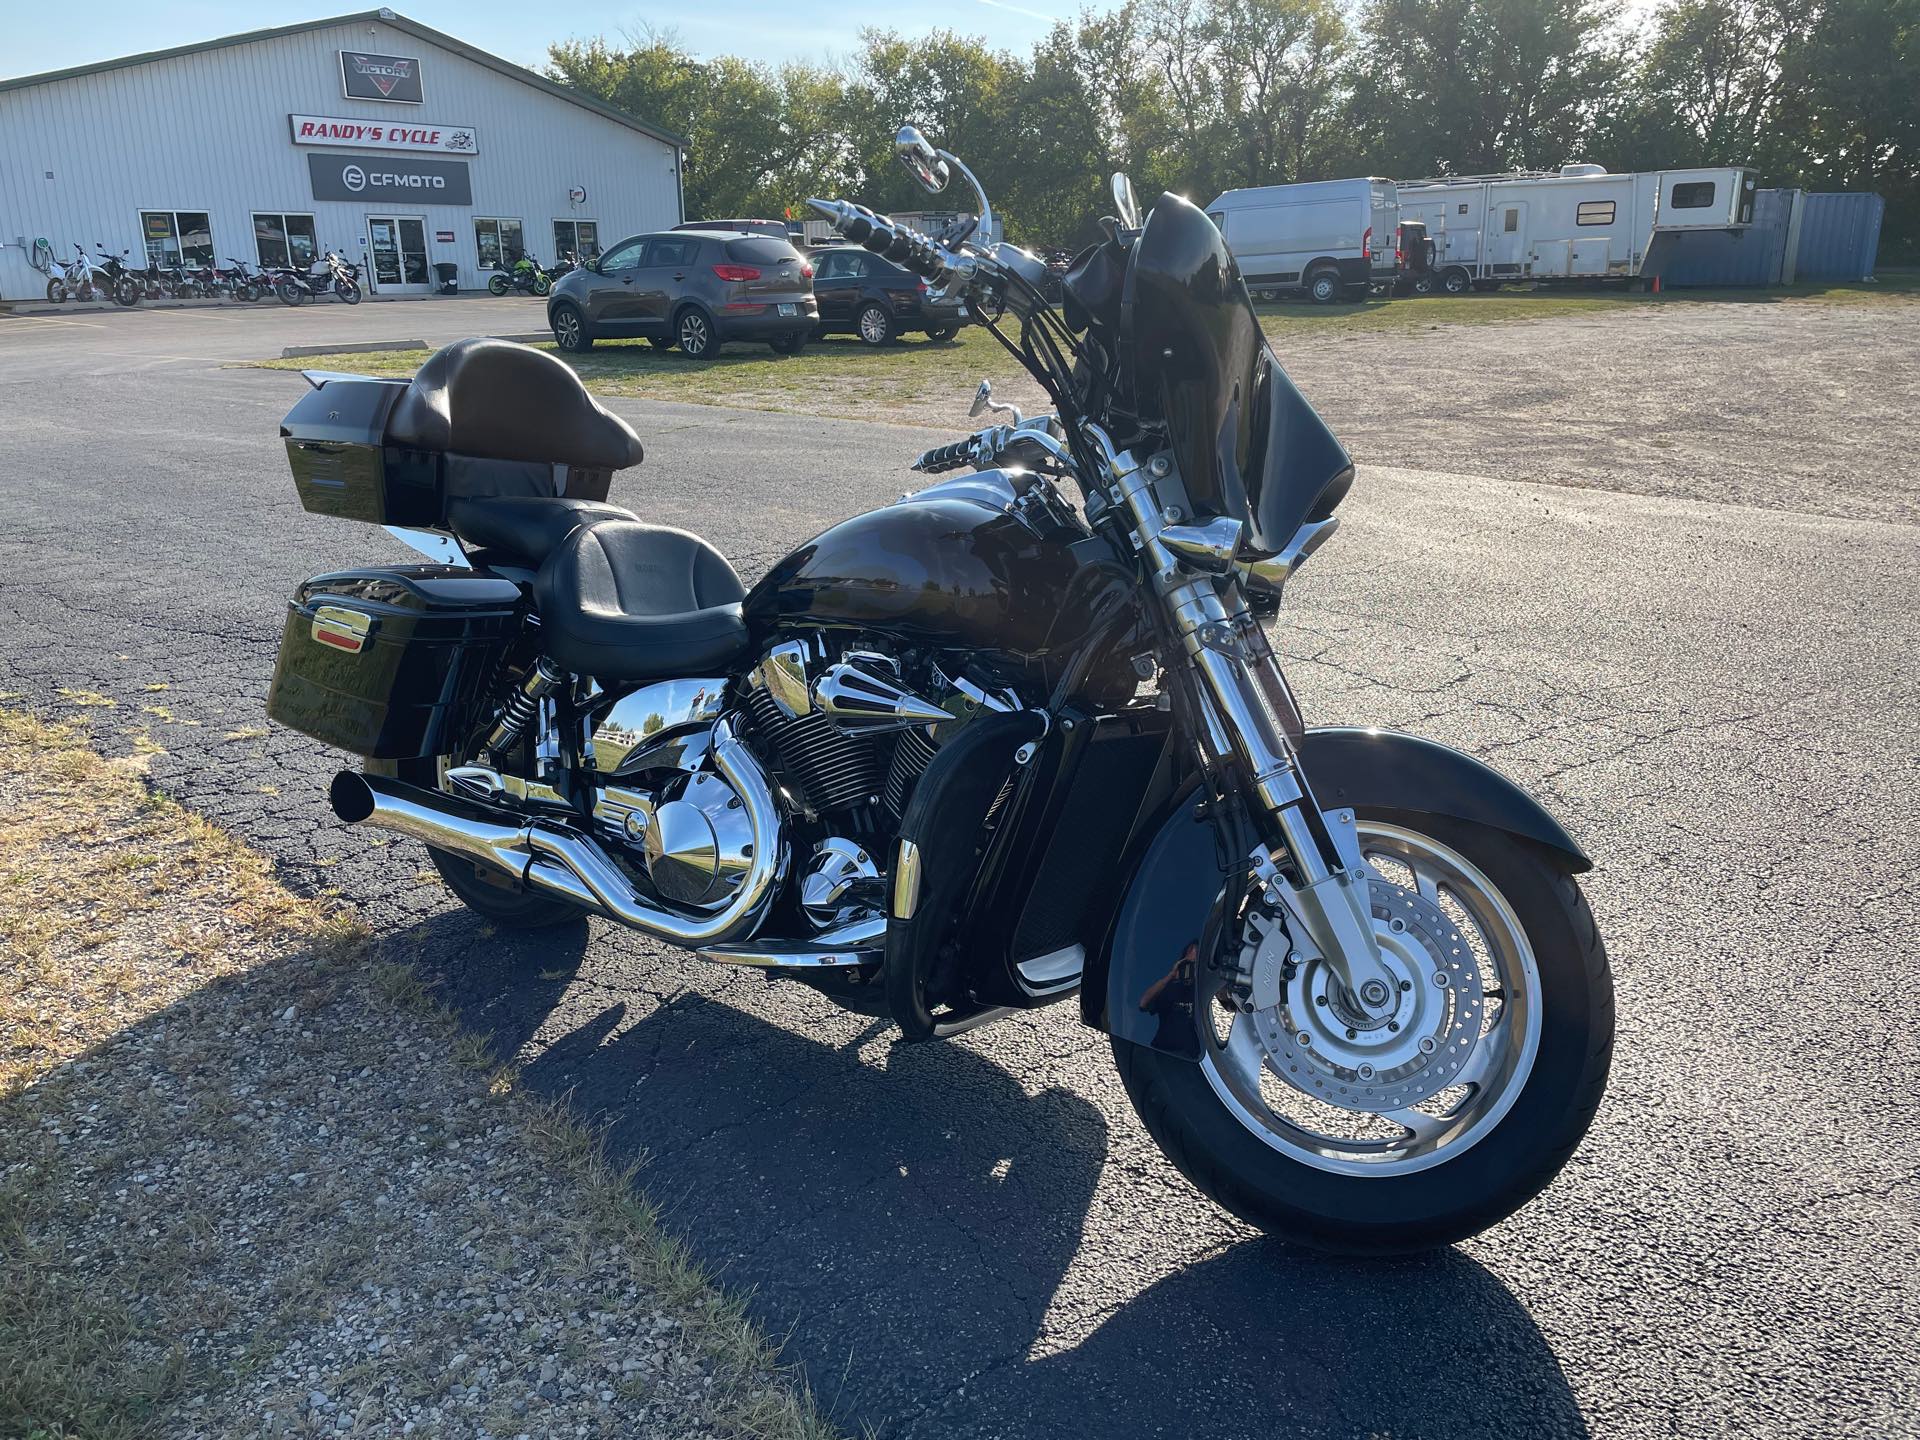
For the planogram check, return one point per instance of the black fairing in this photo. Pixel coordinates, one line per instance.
(941, 571)
(1248, 444)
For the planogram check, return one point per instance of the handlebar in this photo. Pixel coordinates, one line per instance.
(885, 237)
(945, 457)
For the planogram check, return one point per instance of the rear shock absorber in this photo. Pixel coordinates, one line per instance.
(520, 706)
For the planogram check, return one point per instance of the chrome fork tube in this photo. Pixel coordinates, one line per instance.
(1331, 903)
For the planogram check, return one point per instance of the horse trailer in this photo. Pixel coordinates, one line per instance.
(1579, 223)
(1328, 238)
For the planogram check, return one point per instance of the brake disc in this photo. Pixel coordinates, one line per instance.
(1318, 1040)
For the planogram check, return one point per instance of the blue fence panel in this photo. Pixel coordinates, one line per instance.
(1839, 235)
(1750, 256)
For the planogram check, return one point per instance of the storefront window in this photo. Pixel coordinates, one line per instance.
(580, 238)
(177, 237)
(284, 240)
(499, 242)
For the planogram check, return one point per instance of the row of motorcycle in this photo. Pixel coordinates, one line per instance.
(105, 276)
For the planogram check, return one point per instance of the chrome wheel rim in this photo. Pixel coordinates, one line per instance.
(873, 326)
(1277, 1075)
(566, 328)
(693, 335)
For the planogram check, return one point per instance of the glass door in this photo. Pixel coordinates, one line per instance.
(397, 254)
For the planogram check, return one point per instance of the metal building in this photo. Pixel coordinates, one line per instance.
(398, 146)
(1796, 235)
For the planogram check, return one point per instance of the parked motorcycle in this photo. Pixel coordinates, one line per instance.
(121, 283)
(241, 282)
(78, 279)
(526, 277)
(1012, 738)
(296, 287)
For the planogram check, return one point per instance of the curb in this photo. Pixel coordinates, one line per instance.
(527, 337)
(294, 352)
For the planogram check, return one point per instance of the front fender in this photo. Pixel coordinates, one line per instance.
(1139, 987)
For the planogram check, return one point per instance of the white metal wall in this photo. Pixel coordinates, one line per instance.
(208, 131)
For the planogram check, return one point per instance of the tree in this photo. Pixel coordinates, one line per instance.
(1470, 86)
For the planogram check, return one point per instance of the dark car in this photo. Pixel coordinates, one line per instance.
(690, 288)
(877, 300)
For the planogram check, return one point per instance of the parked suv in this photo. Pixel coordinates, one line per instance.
(877, 300)
(693, 289)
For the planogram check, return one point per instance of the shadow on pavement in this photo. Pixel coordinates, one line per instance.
(909, 1261)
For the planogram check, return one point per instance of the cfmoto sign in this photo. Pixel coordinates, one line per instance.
(390, 177)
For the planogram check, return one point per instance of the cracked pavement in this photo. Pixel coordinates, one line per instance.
(976, 1238)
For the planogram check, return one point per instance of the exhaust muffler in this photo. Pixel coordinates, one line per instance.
(563, 861)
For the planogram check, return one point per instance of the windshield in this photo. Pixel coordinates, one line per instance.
(1248, 444)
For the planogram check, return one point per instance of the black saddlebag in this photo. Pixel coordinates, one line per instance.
(392, 663)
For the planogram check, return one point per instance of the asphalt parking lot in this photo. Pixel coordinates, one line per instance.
(976, 1238)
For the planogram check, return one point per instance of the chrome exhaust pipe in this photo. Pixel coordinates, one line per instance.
(564, 862)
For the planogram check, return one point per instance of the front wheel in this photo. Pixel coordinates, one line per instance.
(1323, 287)
(126, 291)
(498, 284)
(1438, 1118)
(347, 291)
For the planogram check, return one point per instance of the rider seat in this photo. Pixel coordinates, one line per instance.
(627, 602)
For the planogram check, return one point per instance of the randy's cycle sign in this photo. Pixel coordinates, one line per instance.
(364, 76)
(389, 178)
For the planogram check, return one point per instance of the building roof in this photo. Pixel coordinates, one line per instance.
(383, 17)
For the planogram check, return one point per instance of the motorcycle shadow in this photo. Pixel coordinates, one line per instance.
(905, 1219)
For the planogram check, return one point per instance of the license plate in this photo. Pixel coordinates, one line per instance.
(789, 309)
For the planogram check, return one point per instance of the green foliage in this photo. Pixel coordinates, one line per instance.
(1199, 96)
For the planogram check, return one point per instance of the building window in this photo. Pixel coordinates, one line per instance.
(177, 237)
(500, 242)
(1693, 195)
(1593, 212)
(580, 238)
(284, 240)
(1511, 222)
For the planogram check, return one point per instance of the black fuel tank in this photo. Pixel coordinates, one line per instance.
(939, 569)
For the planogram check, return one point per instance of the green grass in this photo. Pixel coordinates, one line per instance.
(922, 381)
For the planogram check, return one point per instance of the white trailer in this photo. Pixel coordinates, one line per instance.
(1326, 237)
(1579, 223)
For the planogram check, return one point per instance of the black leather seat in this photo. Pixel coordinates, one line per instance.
(622, 601)
(497, 400)
(525, 528)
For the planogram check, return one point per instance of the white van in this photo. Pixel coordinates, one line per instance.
(1330, 238)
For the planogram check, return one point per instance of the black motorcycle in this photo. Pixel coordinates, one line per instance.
(1014, 738)
(122, 283)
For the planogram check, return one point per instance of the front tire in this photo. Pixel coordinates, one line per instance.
(1264, 1153)
(289, 293)
(541, 285)
(570, 332)
(126, 291)
(347, 291)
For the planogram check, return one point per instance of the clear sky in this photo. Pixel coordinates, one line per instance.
(36, 37)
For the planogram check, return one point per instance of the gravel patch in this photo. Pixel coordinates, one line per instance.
(254, 1182)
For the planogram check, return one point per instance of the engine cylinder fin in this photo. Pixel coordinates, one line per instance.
(912, 753)
(835, 771)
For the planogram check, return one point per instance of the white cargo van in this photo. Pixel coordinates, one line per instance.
(1330, 238)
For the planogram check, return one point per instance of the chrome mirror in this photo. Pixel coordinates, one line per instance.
(1125, 204)
(982, 398)
(921, 159)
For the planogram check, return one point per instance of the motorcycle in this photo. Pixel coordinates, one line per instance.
(1014, 738)
(121, 283)
(341, 279)
(77, 279)
(526, 277)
